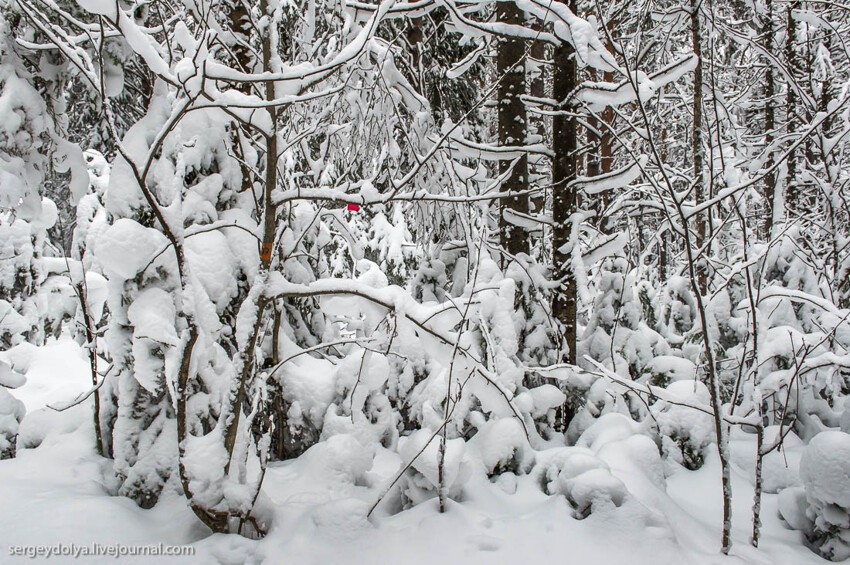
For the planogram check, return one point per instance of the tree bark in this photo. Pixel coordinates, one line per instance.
(91, 347)
(512, 128)
(564, 196)
(240, 24)
(537, 123)
(770, 185)
(791, 191)
(266, 247)
(701, 220)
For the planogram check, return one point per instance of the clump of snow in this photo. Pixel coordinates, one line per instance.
(609, 427)
(686, 432)
(422, 450)
(792, 508)
(152, 316)
(12, 412)
(825, 468)
(780, 467)
(664, 369)
(821, 507)
(825, 472)
(845, 416)
(593, 488)
(127, 247)
(9, 378)
(338, 463)
(584, 479)
(545, 398)
(637, 455)
(501, 446)
(44, 423)
(211, 260)
(309, 385)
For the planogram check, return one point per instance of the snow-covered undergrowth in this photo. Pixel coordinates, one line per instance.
(609, 499)
(346, 280)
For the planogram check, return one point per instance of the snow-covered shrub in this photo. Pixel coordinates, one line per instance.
(666, 369)
(785, 265)
(678, 310)
(600, 399)
(538, 335)
(617, 335)
(150, 300)
(825, 472)
(24, 309)
(646, 295)
(12, 410)
(430, 281)
(501, 446)
(584, 479)
(801, 383)
(686, 432)
(613, 426)
(613, 310)
(615, 302)
(422, 480)
(389, 244)
(25, 127)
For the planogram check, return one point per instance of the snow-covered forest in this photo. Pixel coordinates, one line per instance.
(423, 281)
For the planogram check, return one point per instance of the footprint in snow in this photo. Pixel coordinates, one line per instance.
(484, 542)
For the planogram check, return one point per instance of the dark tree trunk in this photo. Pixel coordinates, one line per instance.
(240, 25)
(701, 220)
(537, 123)
(564, 197)
(791, 192)
(510, 66)
(770, 196)
(600, 157)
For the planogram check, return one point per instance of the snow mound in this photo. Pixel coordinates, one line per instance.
(500, 446)
(825, 468)
(584, 479)
(127, 247)
(821, 508)
(9, 378)
(609, 427)
(420, 448)
(11, 413)
(666, 369)
(686, 432)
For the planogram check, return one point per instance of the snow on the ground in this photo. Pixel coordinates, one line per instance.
(56, 373)
(59, 493)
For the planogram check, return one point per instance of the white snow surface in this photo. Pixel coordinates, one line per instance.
(825, 468)
(128, 247)
(60, 492)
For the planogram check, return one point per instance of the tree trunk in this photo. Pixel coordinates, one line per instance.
(564, 197)
(414, 40)
(770, 196)
(240, 24)
(791, 192)
(91, 347)
(512, 128)
(266, 248)
(537, 123)
(601, 157)
(701, 220)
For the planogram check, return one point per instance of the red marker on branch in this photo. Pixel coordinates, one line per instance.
(354, 207)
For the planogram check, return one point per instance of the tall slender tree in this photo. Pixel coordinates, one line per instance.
(565, 194)
(513, 122)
